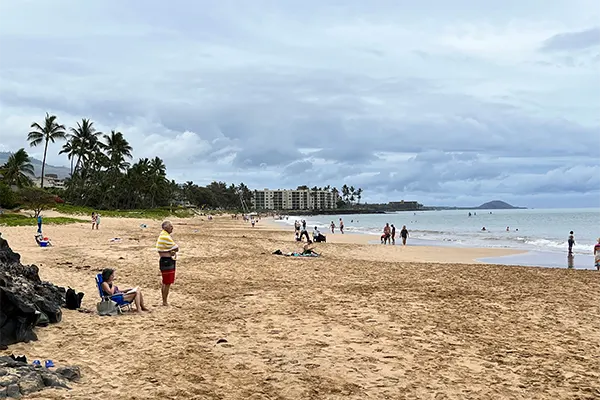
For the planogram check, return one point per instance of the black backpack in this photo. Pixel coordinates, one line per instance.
(73, 300)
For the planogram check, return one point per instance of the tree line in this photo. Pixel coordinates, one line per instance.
(103, 177)
(349, 196)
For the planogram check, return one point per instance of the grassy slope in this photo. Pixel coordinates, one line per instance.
(23, 220)
(155, 213)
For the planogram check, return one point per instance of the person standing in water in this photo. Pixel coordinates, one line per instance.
(404, 235)
(341, 226)
(571, 241)
(332, 226)
(393, 234)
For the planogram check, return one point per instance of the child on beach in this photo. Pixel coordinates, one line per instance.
(571, 241)
(94, 218)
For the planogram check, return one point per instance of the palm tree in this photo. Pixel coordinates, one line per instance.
(18, 169)
(359, 194)
(50, 132)
(69, 149)
(345, 192)
(117, 149)
(187, 189)
(85, 137)
(158, 179)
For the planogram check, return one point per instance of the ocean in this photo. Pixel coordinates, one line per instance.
(541, 231)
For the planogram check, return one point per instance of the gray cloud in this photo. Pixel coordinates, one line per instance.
(573, 40)
(428, 101)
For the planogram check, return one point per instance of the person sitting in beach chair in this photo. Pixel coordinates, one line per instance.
(122, 297)
(318, 236)
(41, 240)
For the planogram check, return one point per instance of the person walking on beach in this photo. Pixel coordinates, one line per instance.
(341, 226)
(332, 227)
(39, 223)
(393, 234)
(571, 242)
(597, 255)
(167, 250)
(387, 233)
(304, 232)
(94, 219)
(97, 221)
(404, 235)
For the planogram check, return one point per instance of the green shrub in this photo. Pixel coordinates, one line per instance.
(8, 198)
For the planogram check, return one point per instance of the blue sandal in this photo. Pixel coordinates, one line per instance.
(49, 364)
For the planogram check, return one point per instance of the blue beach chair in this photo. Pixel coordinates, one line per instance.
(117, 298)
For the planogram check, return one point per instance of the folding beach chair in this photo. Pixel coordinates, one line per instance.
(117, 298)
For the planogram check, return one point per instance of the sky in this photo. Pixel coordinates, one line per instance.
(444, 102)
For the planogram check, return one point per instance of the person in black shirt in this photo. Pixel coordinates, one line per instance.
(404, 235)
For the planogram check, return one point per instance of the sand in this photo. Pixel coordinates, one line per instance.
(360, 322)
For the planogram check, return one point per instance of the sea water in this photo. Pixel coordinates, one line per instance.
(537, 230)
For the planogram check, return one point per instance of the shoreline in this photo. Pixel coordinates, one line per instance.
(411, 252)
(510, 256)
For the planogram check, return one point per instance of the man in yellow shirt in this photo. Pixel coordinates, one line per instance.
(167, 250)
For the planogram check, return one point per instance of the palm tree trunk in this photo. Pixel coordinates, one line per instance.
(72, 158)
(44, 163)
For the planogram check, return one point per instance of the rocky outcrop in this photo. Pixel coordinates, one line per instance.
(18, 378)
(25, 301)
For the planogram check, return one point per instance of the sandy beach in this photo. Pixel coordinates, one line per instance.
(359, 322)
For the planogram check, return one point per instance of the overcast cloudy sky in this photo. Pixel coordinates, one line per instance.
(445, 102)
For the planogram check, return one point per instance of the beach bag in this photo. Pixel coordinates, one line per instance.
(108, 307)
(72, 299)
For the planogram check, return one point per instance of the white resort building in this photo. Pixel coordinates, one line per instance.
(284, 199)
(50, 181)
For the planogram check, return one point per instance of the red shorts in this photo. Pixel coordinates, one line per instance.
(168, 277)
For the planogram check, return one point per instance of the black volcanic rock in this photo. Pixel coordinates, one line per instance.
(25, 300)
(19, 379)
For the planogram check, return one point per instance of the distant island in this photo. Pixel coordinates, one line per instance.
(497, 205)
(490, 205)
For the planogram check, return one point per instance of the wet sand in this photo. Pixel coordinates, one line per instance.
(359, 322)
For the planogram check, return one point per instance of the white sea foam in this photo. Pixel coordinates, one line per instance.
(542, 230)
